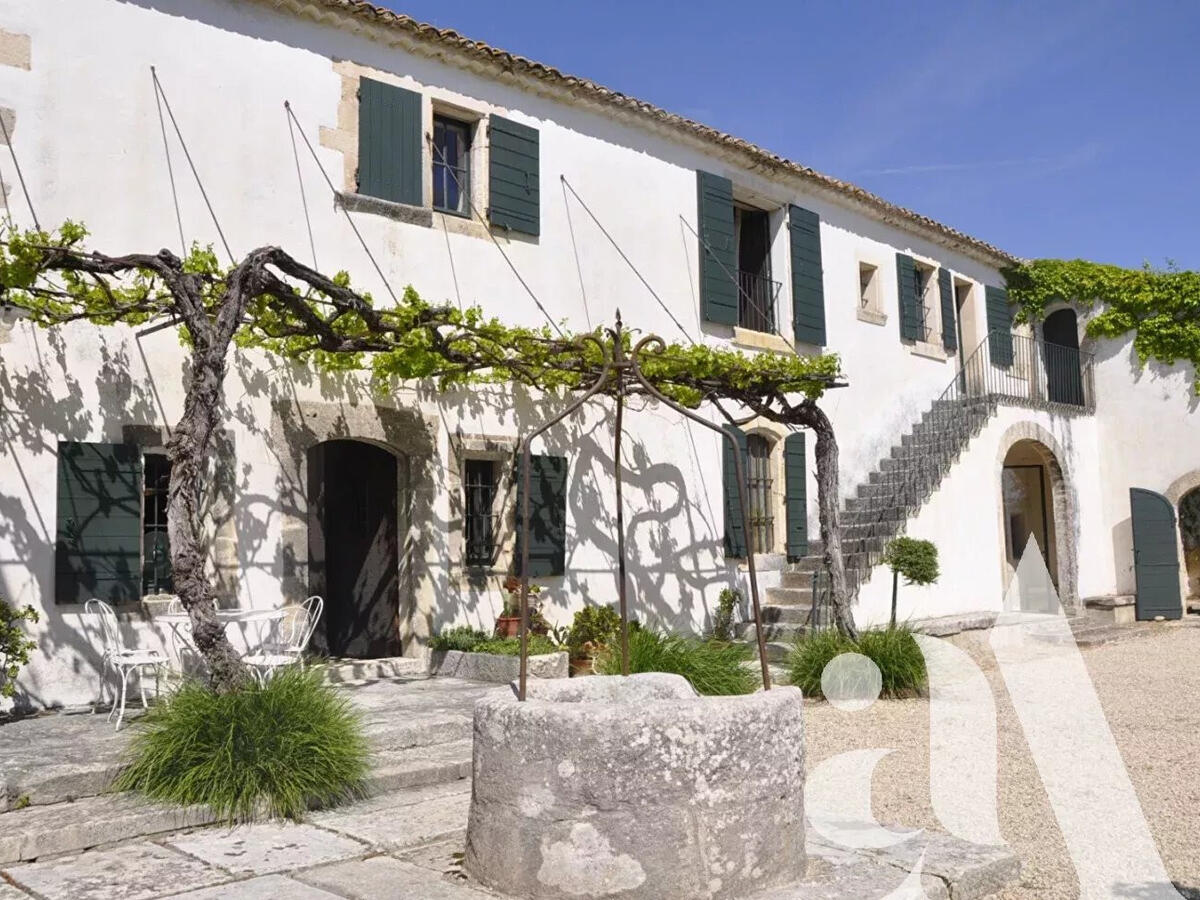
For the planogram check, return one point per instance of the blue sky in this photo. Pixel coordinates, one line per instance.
(1049, 129)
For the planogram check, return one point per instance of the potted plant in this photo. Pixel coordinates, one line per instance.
(509, 622)
(592, 629)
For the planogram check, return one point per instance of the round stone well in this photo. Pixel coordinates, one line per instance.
(636, 787)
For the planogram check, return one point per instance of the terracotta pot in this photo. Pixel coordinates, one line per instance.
(508, 626)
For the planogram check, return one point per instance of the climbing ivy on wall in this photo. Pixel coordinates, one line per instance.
(1160, 307)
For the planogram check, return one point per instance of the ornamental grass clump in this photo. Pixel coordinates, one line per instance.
(894, 650)
(711, 667)
(274, 750)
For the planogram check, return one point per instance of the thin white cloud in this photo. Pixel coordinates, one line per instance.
(1039, 165)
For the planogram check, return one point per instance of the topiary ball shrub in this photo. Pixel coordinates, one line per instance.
(894, 650)
(711, 667)
(277, 749)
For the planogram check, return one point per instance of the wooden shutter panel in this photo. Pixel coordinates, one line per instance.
(946, 289)
(98, 541)
(547, 515)
(999, 322)
(735, 531)
(513, 172)
(808, 287)
(795, 467)
(718, 253)
(906, 281)
(389, 142)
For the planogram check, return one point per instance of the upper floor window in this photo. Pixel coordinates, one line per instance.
(451, 166)
(926, 282)
(757, 293)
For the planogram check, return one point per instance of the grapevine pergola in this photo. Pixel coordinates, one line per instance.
(271, 301)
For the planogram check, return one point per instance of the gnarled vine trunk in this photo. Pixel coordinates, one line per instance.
(826, 453)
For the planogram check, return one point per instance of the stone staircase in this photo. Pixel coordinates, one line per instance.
(877, 511)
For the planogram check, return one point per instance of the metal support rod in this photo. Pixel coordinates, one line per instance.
(739, 474)
(621, 586)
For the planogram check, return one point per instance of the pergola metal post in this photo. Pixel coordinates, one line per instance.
(625, 372)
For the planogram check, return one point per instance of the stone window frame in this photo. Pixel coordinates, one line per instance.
(872, 311)
(930, 345)
(434, 101)
(501, 450)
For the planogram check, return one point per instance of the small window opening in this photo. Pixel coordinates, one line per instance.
(479, 485)
(451, 166)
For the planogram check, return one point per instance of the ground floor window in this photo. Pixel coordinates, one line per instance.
(156, 549)
(761, 507)
(479, 487)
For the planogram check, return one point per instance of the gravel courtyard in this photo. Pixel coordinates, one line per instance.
(1149, 687)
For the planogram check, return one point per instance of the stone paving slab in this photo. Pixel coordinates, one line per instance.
(264, 887)
(267, 848)
(388, 878)
(131, 872)
(396, 770)
(975, 870)
(404, 826)
(8, 892)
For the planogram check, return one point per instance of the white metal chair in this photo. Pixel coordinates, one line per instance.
(123, 660)
(293, 632)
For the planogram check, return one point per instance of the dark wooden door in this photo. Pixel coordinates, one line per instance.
(353, 548)
(1064, 381)
(1155, 555)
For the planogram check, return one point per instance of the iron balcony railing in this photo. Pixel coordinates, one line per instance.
(757, 299)
(1027, 371)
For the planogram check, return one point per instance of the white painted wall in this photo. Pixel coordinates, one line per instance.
(88, 135)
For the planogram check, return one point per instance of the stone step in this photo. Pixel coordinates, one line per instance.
(69, 827)
(800, 580)
(777, 651)
(1116, 610)
(807, 564)
(350, 671)
(772, 633)
(785, 615)
(789, 596)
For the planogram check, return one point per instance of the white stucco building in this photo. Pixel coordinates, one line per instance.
(480, 177)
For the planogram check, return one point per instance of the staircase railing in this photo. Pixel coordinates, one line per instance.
(1004, 368)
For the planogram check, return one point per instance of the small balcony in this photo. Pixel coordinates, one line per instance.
(1029, 372)
(758, 297)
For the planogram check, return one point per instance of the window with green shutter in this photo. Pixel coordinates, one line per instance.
(98, 541)
(735, 526)
(946, 290)
(389, 142)
(808, 286)
(513, 173)
(547, 515)
(999, 322)
(718, 249)
(909, 301)
(795, 466)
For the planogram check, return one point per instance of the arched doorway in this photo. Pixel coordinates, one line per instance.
(1027, 490)
(1060, 350)
(1189, 532)
(353, 548)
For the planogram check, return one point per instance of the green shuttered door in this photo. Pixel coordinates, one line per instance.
(910, 314)
(389, 142)
(735, 531)
(999, 322)
(796, 495)
(946, 289)
(718, 253)
(98, 545)
(808, 289)
(547, 515)
(1155, 555)
(513, 173)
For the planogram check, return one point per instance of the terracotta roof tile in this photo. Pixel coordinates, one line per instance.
(447, 39)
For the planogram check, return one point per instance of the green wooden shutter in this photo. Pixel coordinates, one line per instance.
(946, 289)
(795, 468)
(735, 531)
(513, 176)
(808, 286)
(718, 254)
(547, 515)
(389, 142)
(98, 542)
(999, 322)
(910, 312)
